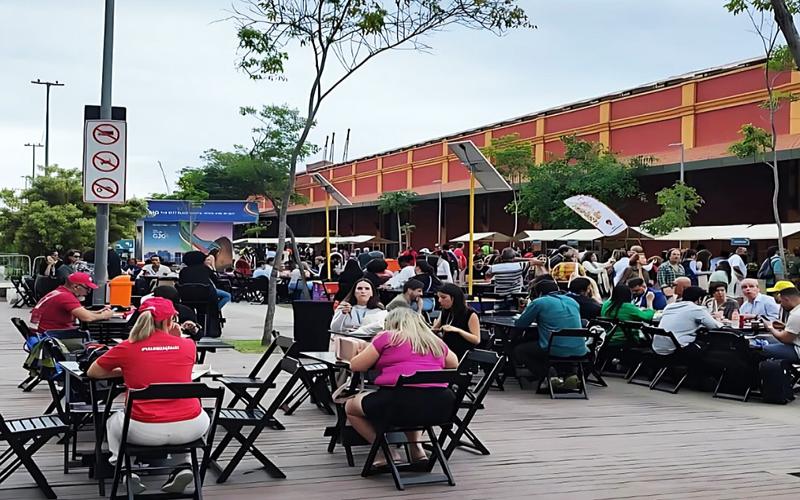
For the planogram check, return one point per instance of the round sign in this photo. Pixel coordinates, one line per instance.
(105, 188)
(106, 134)
(105, 161)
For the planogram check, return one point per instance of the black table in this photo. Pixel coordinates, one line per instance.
(108, 329)
(210, 344)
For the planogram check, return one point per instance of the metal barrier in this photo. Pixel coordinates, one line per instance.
(13, 265)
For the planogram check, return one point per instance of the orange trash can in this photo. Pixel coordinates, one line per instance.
(120, 289)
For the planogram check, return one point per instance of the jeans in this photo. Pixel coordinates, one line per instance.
(223, 297)
(149, 434)
(532, 356)
(781, 351)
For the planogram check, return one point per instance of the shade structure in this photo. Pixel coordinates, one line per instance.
(485, 237)
(706, 233)
(546, 235)
(585, 235)
(359, 239)
(769, 231)
(304, 240)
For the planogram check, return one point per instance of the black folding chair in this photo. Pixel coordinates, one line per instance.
(24, 294)
(25, 436)
(257, 289)
(30, 381)
(241, 386)
(669, 361)
(169, 391)
(472, 363)
(650, 363)
(729, 354)
(315, 378)
(576, 361)
(391, 432)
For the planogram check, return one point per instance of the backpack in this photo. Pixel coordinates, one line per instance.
(44, 354)
(766, 271)
(776, 381)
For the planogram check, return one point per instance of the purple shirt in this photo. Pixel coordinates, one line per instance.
(396, 360)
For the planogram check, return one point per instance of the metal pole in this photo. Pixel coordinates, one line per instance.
(683, 149)
(471, 230)
(337, 220)
(101, 238)
(47, 116)
(439, 234)
(33, 169)
(328, 232)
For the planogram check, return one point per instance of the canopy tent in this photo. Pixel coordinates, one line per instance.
(705, 233)
(545, 235)
(359, 239)
(485, 237)
(585, 235)
(768, 231)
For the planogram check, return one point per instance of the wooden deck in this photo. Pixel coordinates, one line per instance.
(625, 442)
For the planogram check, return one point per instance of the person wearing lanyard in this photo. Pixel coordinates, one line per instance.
(360, 310)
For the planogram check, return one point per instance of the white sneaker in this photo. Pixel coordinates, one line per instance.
(178, 480)
(136, 486)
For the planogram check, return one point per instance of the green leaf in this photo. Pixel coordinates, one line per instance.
(677, 204)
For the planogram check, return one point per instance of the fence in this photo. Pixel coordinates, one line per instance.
(13, 265)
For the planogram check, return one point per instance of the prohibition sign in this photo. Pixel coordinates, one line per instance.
(105, 161)
(106, 134)
(105, 188)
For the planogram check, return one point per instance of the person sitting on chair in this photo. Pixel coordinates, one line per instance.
(154, 353)
(59, 309)
(360, 311)
(406, 347)
(620, 307)
(458, 324)
(411, 296)
(197, 271)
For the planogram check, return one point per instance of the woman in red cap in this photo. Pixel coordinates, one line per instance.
(155, 352)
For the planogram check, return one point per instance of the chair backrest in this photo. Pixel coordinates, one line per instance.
(191, 390)
(574, 333)
(312, 322)
(196, 293)
(489, 361)
(22, 328)
(458, 383)
(652, 332)
(260, 284)
(265, 357)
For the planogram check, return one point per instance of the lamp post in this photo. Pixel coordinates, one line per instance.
(683, 152)
(47, 117)
(33, 147)
(439, 231)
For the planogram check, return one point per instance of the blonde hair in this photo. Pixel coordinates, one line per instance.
(406, 325)
(145, 326)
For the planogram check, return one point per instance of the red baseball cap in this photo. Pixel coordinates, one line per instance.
(82, 279)
(159, 307)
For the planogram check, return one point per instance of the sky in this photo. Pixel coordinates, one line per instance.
(175, 69)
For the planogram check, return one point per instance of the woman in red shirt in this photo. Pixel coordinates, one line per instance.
(155, 352)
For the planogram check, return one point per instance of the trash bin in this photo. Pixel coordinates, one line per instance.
(120, 289)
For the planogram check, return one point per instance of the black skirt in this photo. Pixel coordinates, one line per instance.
(409, 405)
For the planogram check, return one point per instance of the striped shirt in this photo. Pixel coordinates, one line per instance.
(507, 277)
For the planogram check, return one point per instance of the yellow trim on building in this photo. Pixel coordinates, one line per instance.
(605, 120)
(380, 175)
(688, 101)
(794, 107)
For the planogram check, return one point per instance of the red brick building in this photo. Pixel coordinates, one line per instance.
(703, 110)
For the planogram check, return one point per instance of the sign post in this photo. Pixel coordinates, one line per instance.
(104, 157)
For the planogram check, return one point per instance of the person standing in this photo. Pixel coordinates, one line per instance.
(671, 269)
(771, 270)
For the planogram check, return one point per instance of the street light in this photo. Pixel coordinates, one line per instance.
(33, 147)
(439, 231)
(47, 117)
(683, 151)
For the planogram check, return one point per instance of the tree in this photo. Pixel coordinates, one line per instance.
(397, 202)
(513, 159)
(756, 142)
(677, 204)
(342, 36)
(51, 214)
(783, 11)
(586, 168)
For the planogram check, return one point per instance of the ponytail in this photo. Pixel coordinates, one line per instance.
(145, 326)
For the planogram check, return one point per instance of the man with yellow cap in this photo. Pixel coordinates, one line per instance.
(775, 291)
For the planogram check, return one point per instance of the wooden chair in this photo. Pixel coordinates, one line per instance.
(25, 436)
(391, 432)
(169, 391)
(473, 362)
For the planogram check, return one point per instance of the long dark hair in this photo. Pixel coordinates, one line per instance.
(459, 307)
(374, 302)
(725, 266)
(619, 295)
(587, 256)
(351, 272)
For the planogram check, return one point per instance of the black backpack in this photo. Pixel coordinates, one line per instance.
(776, 381)
(766, 271)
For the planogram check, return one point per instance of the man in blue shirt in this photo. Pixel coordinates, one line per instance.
(550, 311)
(639, 291)
(756, 303)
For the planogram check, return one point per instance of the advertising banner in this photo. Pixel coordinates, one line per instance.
(597, 214)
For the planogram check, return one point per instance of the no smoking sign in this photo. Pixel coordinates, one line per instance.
(104, 161)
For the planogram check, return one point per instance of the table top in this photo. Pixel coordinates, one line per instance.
(72, 368)
(504, 321)
(213, 343)
(327, 357)
(360, 336)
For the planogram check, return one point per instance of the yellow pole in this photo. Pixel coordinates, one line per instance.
(328, 232)
(471, 231)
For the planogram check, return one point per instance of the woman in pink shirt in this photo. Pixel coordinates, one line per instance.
(408, 346)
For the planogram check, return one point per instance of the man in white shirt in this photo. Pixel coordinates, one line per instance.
(405, 273)
(154, 268)
(737, 263)
(622, 264)
(683, 319)
(756, 303)
(788, 335)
